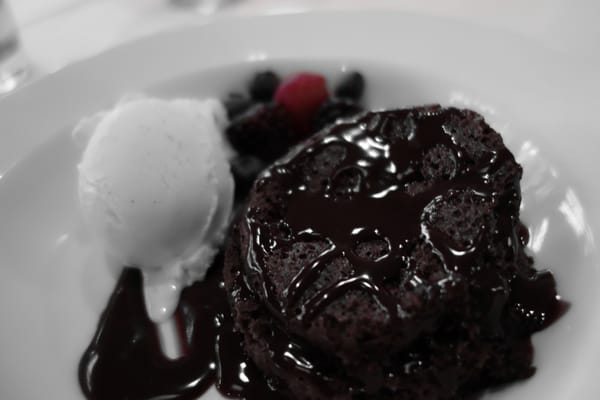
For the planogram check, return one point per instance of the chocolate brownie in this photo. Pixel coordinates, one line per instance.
(384, 259)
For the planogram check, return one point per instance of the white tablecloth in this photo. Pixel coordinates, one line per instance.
(56, 33)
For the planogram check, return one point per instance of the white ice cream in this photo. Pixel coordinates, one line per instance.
(156, 190)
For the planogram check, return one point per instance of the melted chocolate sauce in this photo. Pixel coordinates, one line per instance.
(382, 206)
(125, 361)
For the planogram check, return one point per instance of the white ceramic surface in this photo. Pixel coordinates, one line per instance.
(48, 26)
(52, 283)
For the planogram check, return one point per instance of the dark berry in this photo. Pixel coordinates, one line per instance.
(265, 131)
(351, 87)
(245, 169)
(263, 86)
(331, 110)
(302, 95)
(236, 104)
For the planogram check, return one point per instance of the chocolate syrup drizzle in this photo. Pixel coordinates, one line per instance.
(385, 149)
(124, 359)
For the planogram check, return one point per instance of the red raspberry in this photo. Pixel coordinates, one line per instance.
(302, 95)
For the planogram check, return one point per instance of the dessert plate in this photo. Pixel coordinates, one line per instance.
(53, 285)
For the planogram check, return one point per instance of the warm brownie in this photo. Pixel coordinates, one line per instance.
(384, 259)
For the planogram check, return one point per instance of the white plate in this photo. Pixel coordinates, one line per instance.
(53, 286)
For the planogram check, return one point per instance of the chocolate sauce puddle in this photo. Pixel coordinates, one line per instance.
(124, 360)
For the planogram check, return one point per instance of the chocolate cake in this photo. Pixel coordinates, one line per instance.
(384, 259)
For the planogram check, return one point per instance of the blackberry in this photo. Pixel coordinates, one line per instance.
(263, 86)
(264, 131)
(351, 87)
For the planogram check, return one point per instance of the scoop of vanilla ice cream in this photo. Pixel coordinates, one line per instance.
(156, 190)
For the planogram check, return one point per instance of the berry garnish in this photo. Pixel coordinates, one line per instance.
(302, 95)
(351, 87)
(265, 131)
(333, 109)
(263, 86)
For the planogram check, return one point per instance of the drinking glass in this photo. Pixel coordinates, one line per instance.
(13, 64)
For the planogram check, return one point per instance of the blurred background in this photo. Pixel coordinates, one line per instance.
(55, 33)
